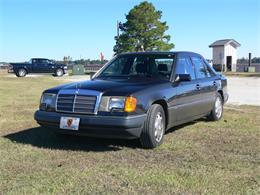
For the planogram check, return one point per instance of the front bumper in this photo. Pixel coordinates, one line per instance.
(127, 127)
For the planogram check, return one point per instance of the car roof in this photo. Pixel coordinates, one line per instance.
(160, 52)
(40, 58)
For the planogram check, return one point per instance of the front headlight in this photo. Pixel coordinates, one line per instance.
(118, 103)
(48, 102)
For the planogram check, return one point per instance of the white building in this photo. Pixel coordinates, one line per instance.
(225, 54)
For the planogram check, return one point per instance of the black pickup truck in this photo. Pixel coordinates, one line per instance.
(38, 65)
(137, 95)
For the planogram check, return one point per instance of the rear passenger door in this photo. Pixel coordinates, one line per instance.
(205, 84)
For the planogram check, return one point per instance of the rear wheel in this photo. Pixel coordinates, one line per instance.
(21, 72)
(59, 72)
(217, 111)
(154, 127)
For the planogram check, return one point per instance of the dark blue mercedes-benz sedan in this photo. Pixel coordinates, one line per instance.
(137, 95)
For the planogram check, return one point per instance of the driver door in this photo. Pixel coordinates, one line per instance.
(50, 68)
(40, 66)
(188, 96)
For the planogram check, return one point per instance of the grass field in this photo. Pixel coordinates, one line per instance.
(200, 157)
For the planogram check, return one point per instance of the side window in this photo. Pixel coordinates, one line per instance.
(210, 72)
(184, 66)
(44, 61)
(200, 70)
(39, 61)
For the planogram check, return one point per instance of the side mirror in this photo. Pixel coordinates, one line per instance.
(182, 77)
(91, 74)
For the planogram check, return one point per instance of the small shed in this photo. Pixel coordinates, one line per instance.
(224, 54)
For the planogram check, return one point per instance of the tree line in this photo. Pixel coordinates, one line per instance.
(69, 60)
(246, 60)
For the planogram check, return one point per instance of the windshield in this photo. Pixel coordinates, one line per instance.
(158, 65)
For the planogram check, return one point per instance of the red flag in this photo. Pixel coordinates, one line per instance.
(101, 56)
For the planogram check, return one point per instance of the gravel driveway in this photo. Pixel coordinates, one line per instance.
(244, 90)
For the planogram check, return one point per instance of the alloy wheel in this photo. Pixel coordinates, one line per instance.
(218, 107)
(158, 127)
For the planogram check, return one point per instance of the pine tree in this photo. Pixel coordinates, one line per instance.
(143, 31)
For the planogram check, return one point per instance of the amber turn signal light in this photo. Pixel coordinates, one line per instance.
(130, 104)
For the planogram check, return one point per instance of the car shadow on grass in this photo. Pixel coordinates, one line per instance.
(179, 127)
(49, 139)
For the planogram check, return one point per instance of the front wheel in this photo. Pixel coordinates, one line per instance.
(217, 111)
(59, 72)
(154, 127)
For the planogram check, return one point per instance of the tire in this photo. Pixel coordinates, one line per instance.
(154, 127)
(21, 72)
(217, 111)
(59, 72)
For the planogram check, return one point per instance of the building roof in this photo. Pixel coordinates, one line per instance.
(225, 42)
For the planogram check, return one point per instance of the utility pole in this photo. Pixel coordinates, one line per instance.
(116, 48)
(249, 59)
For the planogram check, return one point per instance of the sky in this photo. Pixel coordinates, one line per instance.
(84, 28)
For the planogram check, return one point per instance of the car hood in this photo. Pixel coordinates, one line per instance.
(125, 86)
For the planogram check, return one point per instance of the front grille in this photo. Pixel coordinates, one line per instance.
(70, 103)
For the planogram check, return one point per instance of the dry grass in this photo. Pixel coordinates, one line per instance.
(201, 157)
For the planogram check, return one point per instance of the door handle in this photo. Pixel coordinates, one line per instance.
(198, 87)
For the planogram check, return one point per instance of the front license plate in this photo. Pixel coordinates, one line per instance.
(69, 123)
